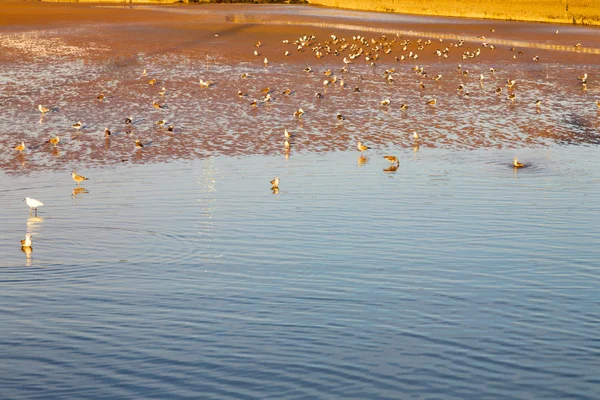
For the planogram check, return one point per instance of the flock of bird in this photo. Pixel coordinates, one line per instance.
(352, 51)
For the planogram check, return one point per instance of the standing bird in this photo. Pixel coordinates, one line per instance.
(43, 109)
(139, 144)
(54, 141)
(20, 147)
(299, 112)
(26, 243)
(77, 126)
(392, 159)
(78, 178)
(517, 164)
(107, 132)
(415, 135)
(275, 183)
(385, 102)
(362, 147)
(33, 204)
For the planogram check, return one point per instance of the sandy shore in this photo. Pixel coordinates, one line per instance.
(64, 55)
(580, 12)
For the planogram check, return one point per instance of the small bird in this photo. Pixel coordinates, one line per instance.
(287, 134)
(163, 91)
(152, 82)
(205, 84)
(128, 120)
(517, 164)
(319, 95)
(392, 159)
(385, 102)
(54, 141)
(404, 107)
(144, 72)
(157, 105)
(78, 125)
(107, 132)
(511, 96)
(244, 75)
(340, 117)
(43, 109)
(275, 183)
(161, 123)
(307, 69)
(287, 92)
(78, 178)
(415, 135)
(432, 102)
(100, 97)
(266, 90)
(362, 147)
(26, 243)
(170, 128)
(299, 112)
(138, 144)
(538, 103)
(20, 147)
(33, 204)
(266, 62)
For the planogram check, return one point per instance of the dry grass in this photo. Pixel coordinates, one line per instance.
(585, 12)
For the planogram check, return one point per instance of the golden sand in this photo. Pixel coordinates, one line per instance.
(582, 12)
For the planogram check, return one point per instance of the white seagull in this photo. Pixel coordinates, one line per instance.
(33, 204)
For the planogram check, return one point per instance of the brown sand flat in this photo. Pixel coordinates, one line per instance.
(63, 55)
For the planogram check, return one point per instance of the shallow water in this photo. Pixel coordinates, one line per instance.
(176, 272)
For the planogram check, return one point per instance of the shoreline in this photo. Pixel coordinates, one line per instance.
(578, 12)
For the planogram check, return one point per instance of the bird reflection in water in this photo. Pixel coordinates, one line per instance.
(34, 223)
(27, 251)
(362, 160)
(275, 190)
(78, 191)
(55, 152)
(391, 168)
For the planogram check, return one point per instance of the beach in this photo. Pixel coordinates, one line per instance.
(179, 270)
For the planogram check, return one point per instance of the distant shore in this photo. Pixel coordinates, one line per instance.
(578, 12)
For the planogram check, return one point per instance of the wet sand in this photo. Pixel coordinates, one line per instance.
(63, 55)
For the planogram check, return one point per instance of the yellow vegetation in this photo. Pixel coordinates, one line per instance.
(585, 12)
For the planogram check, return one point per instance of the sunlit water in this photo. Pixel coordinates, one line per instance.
(176, 272)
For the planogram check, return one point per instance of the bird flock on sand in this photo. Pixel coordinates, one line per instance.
(355, 49)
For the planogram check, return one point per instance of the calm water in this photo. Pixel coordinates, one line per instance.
(177, 273)
(454, 277)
